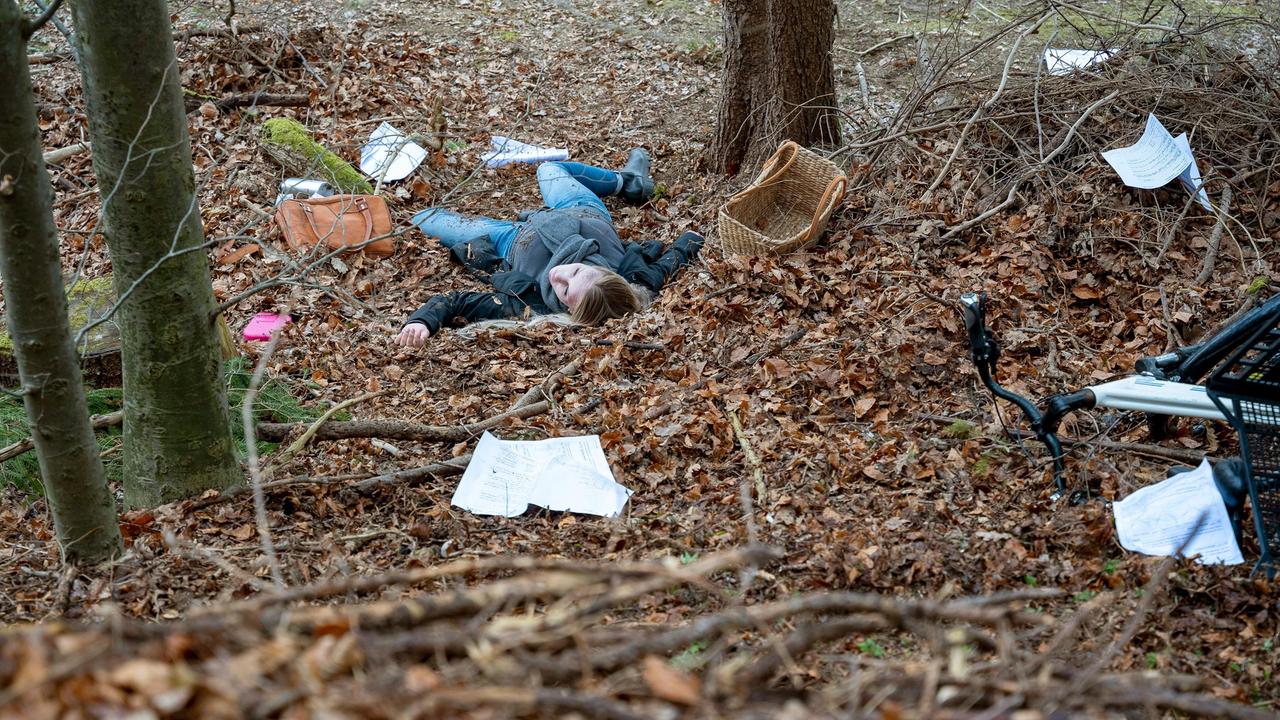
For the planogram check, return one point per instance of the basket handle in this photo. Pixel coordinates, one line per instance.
(775, 165)
(831, 198)
(772, 169)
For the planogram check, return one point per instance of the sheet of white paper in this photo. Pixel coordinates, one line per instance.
(1191, 176)
(392, 152)
(504, 477)
(1153, 161)
(506, 151)
(572, 487)
(1157, 519)
(1063, 61)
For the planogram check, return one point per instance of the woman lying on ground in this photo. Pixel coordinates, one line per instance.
(564, 260)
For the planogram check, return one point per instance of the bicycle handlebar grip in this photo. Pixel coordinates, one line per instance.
(973, 309)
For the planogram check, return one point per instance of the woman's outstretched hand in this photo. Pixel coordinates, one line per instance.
(413, 335)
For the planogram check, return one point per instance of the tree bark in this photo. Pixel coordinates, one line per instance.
(176, 422)
(84, 512)
(779, 83)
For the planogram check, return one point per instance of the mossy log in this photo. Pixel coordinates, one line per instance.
(287, 142)
(99, 350)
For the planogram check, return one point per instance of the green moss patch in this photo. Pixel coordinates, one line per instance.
(288, 141)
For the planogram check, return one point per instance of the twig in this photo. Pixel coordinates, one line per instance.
(1172, 231)
(53, 157)
(1172, 337)
(1215, 238)
(1013, 187)
(255, 470)
(1004, 81)
(748, 574)
(885, 43)
(288, 453)
(757, 475)
(24, 445)
(453, 466)
(1152, 589)
(34, 24)
(400, 430)
(46, 58)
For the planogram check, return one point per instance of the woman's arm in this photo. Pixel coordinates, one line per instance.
(655, 274)
(470, 306)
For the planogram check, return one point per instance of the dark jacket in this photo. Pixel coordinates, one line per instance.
(550, 238)
(516, 294)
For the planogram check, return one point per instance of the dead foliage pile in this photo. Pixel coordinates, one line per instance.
(818, 478)
(483, 649)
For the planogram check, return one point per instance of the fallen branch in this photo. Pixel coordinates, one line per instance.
(233, 30)
(288, 453)
(1215, 238)
(1188, 456)
(53, 157)
(46, 58)
(98, 421)
(255, 99)
(400, 430)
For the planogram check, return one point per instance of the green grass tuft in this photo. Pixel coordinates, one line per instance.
(24, 470)
(961, 430)
(275, 402)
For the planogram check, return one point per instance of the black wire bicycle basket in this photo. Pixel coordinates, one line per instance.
(1246, 388)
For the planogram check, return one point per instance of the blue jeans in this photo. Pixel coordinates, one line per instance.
(563, 185)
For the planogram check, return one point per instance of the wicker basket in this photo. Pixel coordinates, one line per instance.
(786, 208)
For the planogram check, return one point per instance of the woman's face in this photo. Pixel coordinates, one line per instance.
(572, 281)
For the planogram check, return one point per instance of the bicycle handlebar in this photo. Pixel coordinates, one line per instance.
(973, 308)
(986, 352)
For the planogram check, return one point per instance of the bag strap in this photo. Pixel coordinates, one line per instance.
(360, 204)
(363, 206)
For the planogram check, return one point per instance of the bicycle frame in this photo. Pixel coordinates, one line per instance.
(1143, 392)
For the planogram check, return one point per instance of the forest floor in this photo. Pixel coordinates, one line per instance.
(884, 465)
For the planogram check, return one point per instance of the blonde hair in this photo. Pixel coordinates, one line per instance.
(608, 307)
(608, 297)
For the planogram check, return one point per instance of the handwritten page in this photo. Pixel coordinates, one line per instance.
(569, 474)
(390, 154)
(506, 151)
(1158, 519)
(1153, 161)
(1062, 61)
(1191, 176)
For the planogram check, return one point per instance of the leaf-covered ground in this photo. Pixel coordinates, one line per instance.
(884, 465)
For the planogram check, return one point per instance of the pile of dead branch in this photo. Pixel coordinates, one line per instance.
(546, 638)
(990, 144)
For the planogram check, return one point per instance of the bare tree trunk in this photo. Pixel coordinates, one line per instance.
(747, 98)
(804, 35)
(778, 80)
(84, 513)
(176, 423)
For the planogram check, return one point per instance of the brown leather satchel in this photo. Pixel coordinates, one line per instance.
(338, 221)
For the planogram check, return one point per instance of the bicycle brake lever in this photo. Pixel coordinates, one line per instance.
(973, 308)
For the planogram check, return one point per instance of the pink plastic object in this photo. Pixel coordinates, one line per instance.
(263, 324)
